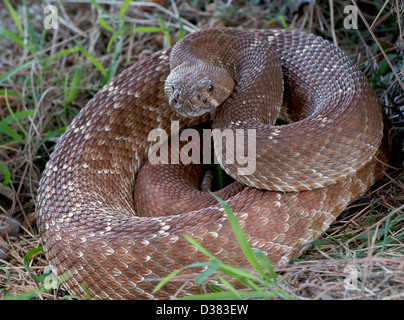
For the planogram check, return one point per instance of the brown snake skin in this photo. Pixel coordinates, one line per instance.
(85, 204)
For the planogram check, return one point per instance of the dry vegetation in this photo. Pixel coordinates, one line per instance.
(48, 75)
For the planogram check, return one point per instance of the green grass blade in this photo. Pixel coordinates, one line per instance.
(55, 133)
(114, 61)
(180, 30)
(166, 279)
(31, 31)
(6, 174)
(237, 273)
(12, 134)
(200, 248)
(279, 18)
(240, 236)
(10, 73)
(386, 229)
(283, 21)
(74, 86)
(26, 295)
(207, 273)
(17, 120)
(229, 287)
(263, 285)
(92, 59)
(27, 258)
(123, 10)
(9, 93)
(87, 292)
(12, 36)
(14, 117)
(97, 6)
(5, 270)
(59, 54)
(104, 13)
(266, 263)
(17, 116)
(105, 25)
(229, 295)
(223, 295)
(148, 29)
(15, 17)
(112, 39)
(174, 273)
(43, 39)
(166, 31)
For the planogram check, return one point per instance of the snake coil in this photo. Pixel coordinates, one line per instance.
(307, 171)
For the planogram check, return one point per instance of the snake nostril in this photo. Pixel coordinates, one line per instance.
(176, 96)
(173, 102)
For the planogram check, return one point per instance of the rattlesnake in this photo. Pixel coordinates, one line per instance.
(314, 166)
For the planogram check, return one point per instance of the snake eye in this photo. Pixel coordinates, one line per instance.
(210, 88)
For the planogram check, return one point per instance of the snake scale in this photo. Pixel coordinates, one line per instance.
(307, 171)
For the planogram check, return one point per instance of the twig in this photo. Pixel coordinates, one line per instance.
(332, 25)
(378, 44)
(378, 15)
(399, 23)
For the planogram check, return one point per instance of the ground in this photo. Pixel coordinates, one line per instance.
(52, 62)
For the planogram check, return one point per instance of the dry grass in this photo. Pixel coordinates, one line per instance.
(365, 245)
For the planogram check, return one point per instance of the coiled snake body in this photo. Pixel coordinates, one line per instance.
(314, 166)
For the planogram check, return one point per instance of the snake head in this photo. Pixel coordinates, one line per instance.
(193, 90)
